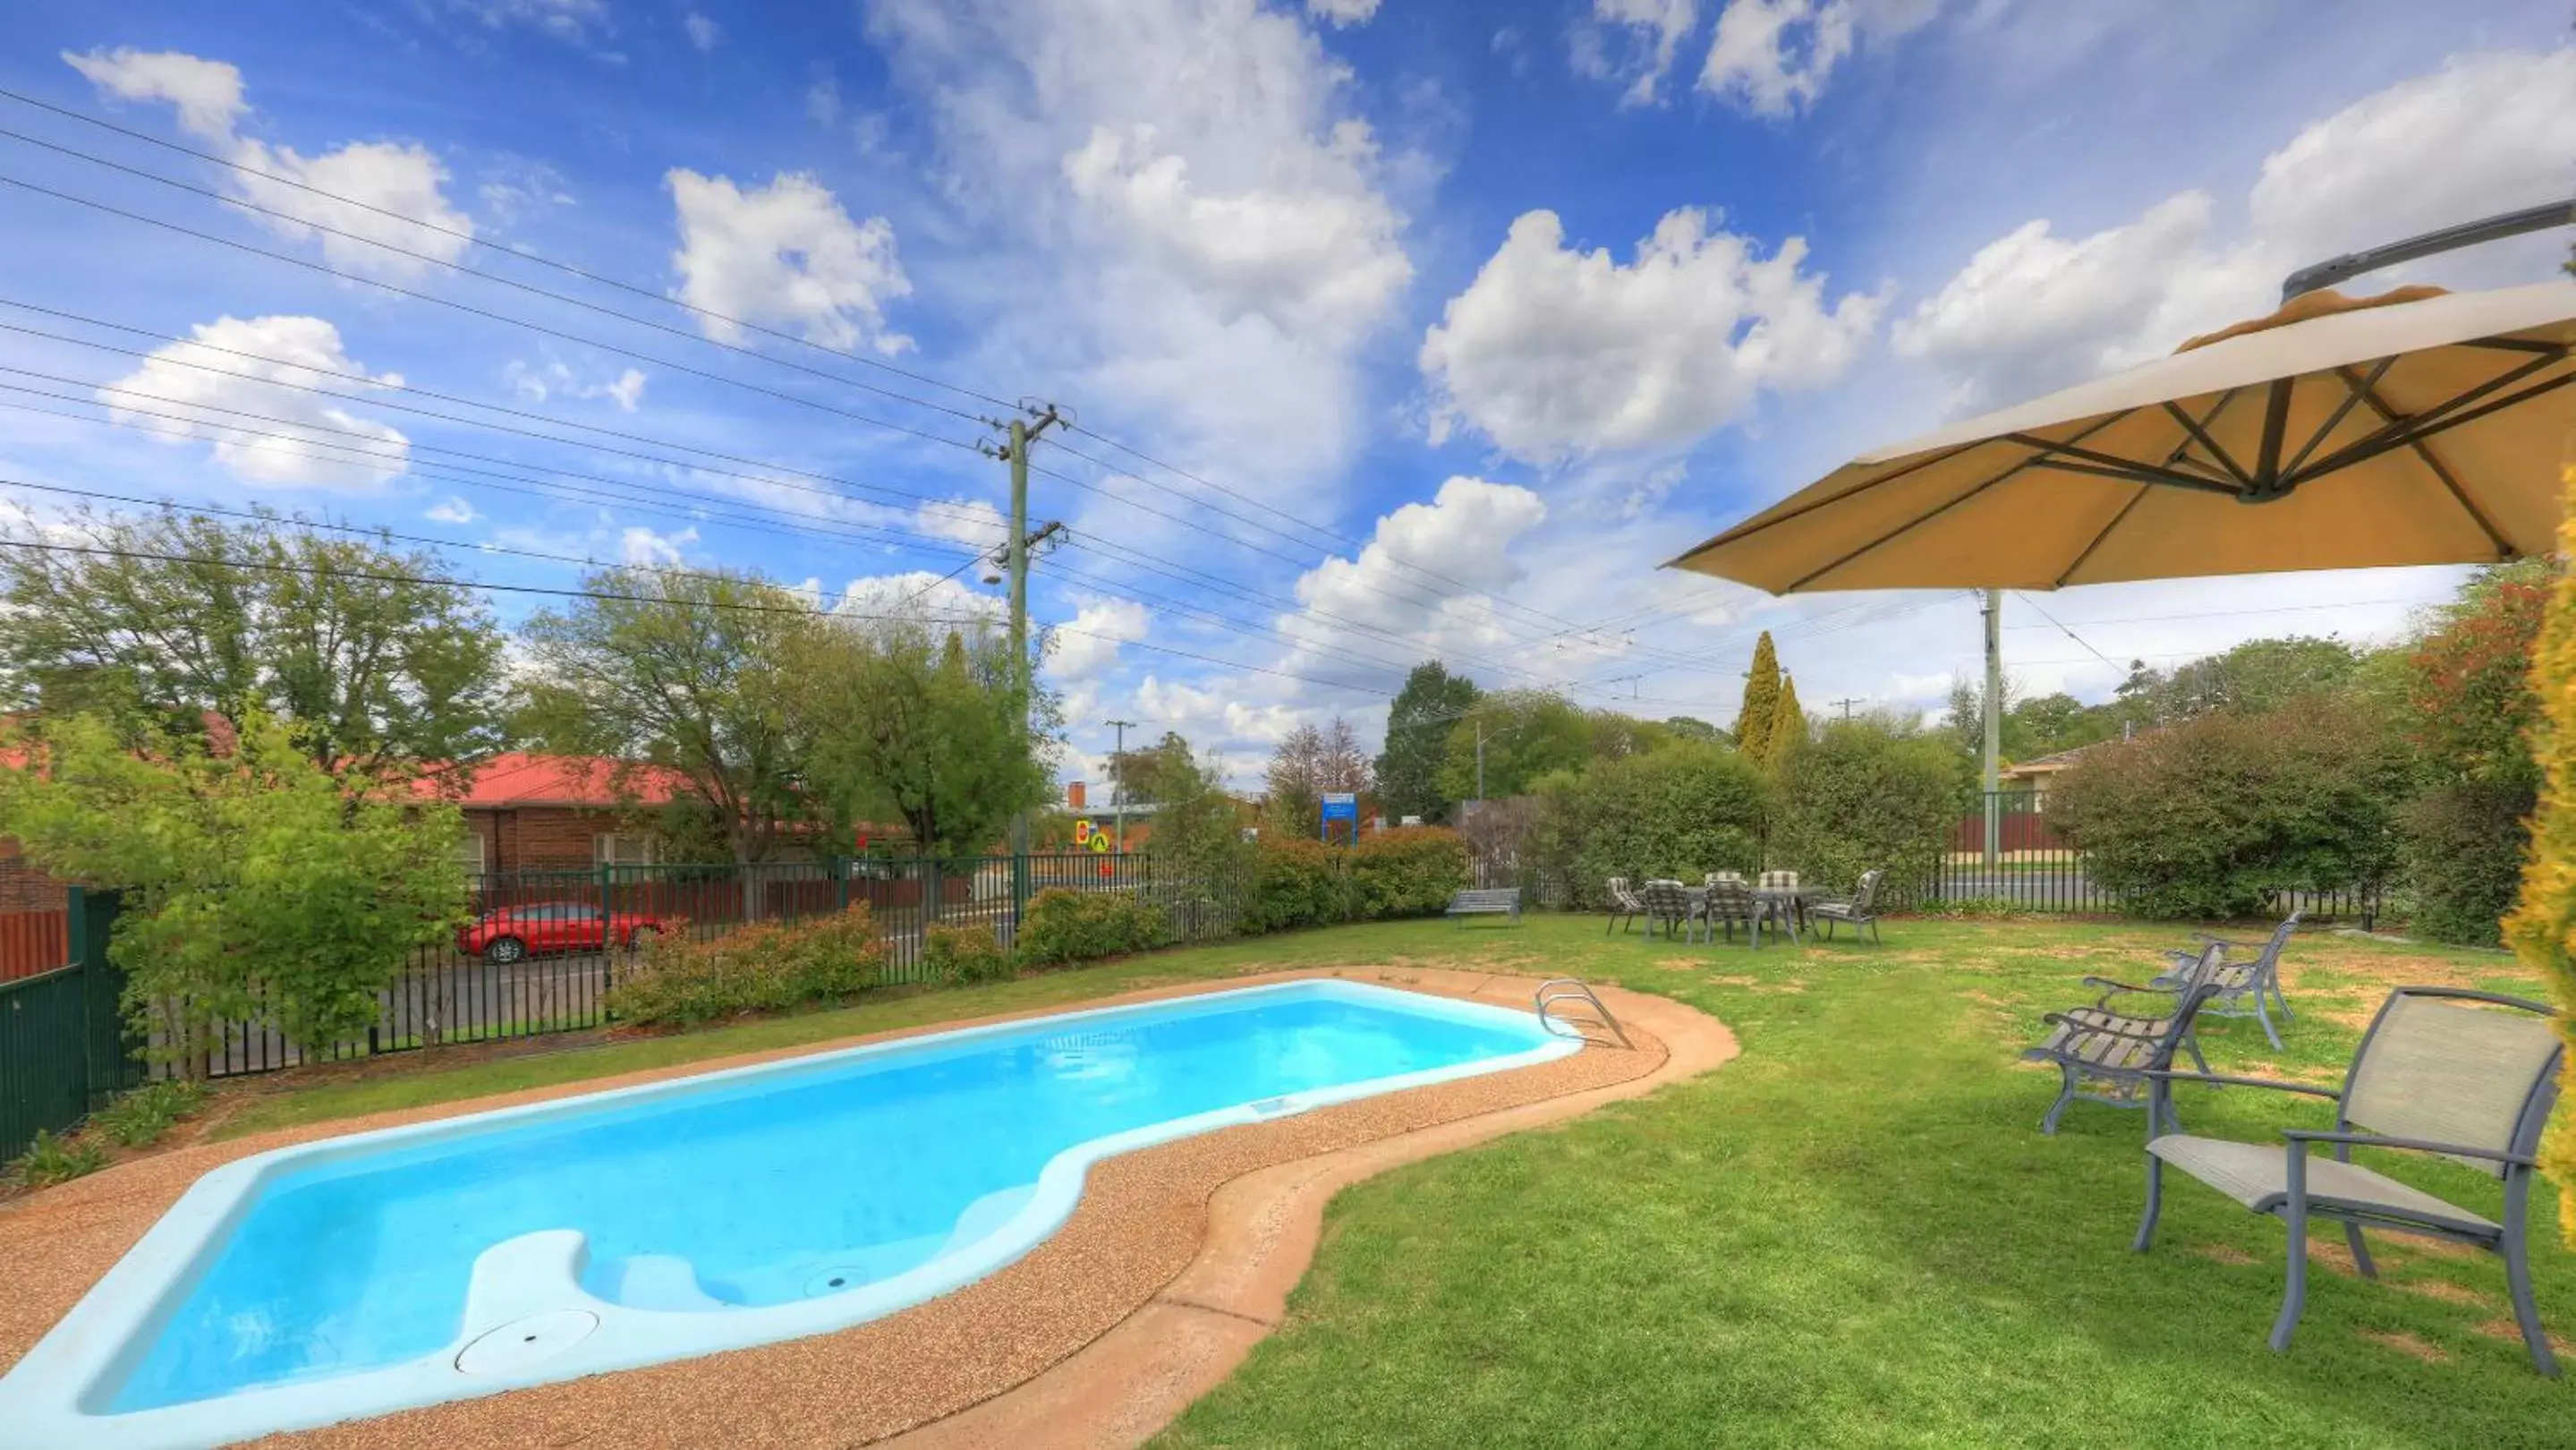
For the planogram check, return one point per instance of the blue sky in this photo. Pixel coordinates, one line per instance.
(1452, 321)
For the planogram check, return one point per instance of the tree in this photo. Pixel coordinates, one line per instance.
(1152, 773)
(2047, 724)
(1680, 812)
(1196, 822)
(2470, 708)
(1309, 764)
(1616, 736)
(364, 654)
(1689, 727)
(2542, 929)
(1526, 733)
(1867, 795)
(694, 673)
(1417, 741)
(1788, 726)
(257, 883)
(1761, 699)
(919, 720)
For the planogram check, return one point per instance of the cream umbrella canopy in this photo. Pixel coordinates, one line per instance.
(2418, 427)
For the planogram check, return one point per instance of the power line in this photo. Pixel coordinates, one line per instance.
(2070, 634)
(465, 237)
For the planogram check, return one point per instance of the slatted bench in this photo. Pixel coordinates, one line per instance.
(1502, 901)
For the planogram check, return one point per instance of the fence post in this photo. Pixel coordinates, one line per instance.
(841, 884)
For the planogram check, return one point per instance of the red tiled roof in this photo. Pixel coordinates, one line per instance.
(518, 779)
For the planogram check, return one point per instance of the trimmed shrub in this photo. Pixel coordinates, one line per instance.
(1298, 883)
(2204, 820)
(1408, 872)
(960, 955)
(1678, 812)
(1062, 925)
(2465, 843)
(1861, 797)
(767, 967)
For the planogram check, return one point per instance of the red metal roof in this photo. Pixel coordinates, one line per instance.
(518, 779)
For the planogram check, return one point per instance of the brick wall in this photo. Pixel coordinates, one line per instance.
(23, 887)
(540, 838)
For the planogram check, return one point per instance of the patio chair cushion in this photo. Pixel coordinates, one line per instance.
(2257, 1175)
(1779, 881)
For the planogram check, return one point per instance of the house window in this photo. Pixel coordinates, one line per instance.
(621, 849)
(469, 853)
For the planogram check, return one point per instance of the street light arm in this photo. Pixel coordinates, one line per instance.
(2468, 234)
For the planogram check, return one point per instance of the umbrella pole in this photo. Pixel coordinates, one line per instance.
(1994, 727)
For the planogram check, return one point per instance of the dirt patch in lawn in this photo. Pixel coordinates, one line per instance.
(2227, 1254)
(2406, 1344)
(2446, 1292)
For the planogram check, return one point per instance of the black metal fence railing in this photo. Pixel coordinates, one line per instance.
(542, 948)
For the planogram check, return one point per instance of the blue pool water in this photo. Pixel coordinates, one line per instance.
(756, 1190)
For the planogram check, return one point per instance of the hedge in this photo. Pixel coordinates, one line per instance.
(766, 967)
(1384, 876)
(1061, 925)
(1679, 812)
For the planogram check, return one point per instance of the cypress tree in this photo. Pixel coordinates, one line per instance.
(1788, 725)
(1761, 700)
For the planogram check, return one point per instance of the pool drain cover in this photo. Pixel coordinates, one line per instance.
(833, 1281)
(527, 1341)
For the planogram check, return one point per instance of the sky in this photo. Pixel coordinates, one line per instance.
(1383, 329)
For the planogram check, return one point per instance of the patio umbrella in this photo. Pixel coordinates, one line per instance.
(2417, 427)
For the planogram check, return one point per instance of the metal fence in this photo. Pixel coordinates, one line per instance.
(544, 947)
(62, 1041)
(2036, 869)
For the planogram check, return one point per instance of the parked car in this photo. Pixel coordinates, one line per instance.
(516, 932)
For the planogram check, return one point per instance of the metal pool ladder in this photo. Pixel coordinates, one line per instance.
(1558, 992)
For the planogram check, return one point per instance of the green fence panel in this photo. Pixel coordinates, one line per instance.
(62, 1040)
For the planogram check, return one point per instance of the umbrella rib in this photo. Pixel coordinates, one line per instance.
(2112, 464)
(2192, 426)
(1940, 509)
(2355, 389)
(2135, 499)
(2364, 390)
(2384, 440)
(2379, 440)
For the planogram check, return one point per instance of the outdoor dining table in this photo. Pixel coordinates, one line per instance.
(1786, 904)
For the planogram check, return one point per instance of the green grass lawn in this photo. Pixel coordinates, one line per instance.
(1852, 1235)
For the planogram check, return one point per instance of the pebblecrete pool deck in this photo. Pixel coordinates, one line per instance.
(1178, 1259)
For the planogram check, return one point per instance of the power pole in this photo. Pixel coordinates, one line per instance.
(1118, 784)
(1994, 724)
(1480, 760)
(1023, 432)
(1845, 705)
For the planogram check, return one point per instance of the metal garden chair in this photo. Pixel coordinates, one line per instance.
(2258, 976)
(2440, 1071)
(1625, 908)
(1729, 904)
(1668, 904)
(1861, 910)
(2108, 1054)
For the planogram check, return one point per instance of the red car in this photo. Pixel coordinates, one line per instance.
(515, 932)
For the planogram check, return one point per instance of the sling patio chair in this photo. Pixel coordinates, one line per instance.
(1625, 908)
(1729, 904)
(1668, 904)
(2107, 1053)
(1858, 911)
(2467, 1075)
(2257, 976)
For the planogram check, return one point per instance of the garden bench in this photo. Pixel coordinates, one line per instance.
(2238, 978)
(2105, 1053)
(2440, 1071)
(1497, 901)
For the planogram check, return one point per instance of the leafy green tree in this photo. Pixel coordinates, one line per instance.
(1690, 727)
(2470, 709)
(1417, 741)
(921, 721)
(257, 882)
(695, 673)
(1867, 795)
(1680, 812)
(2046, 724)
(1761, 699)
(1527, 733)
(365, 654)
(1616, 736)
(1197, 822)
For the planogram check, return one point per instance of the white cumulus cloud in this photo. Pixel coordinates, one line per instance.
(1088, 647)
(785, 255)
(1634, 41)
(642, 546)
(703, 33)
(295, 351)
(1554, 351)
(2032, 311)
(537, 382)
(451, 510)
(1773, 57)
(401, 178)
(1319, 251)
(1342, 13)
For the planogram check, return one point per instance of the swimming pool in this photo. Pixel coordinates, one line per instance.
(415, 1265)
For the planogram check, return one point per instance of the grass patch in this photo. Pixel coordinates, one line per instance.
(1853, 1235)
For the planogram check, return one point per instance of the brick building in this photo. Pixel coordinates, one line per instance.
(560, 813)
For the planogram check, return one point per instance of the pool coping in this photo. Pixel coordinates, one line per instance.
(1097, 1336)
